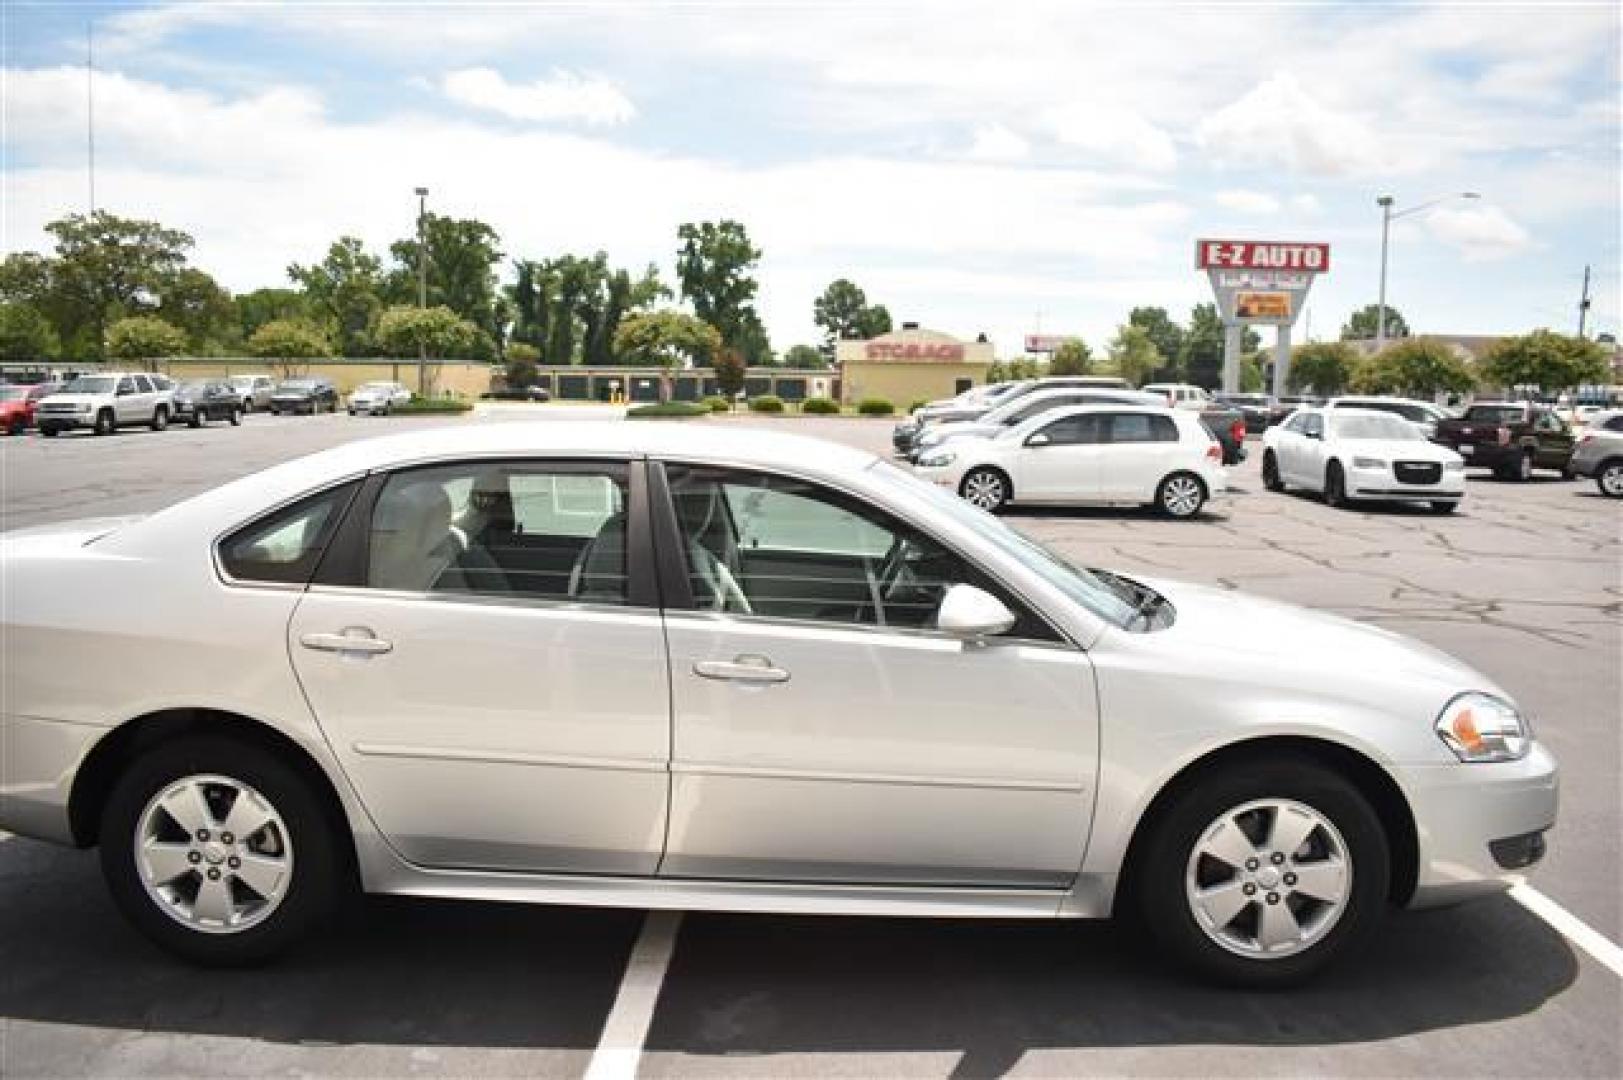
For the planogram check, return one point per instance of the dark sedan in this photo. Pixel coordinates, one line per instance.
(199, 401)
(1259, 410)
(304, 396)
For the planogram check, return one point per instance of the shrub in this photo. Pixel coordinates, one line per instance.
(766, 403)
(875, 406)
(669, 410)
(428, 407)
(917, 405)
(820, 406)
(718, 404)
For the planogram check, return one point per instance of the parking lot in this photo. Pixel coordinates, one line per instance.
(1525, 582)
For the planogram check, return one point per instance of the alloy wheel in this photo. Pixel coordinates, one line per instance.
(984, 489)
(1611, 480)
(213, 854)
(1181, 496)
(1269, 879)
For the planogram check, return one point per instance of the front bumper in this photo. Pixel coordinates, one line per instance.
(1384, 484)
(64, 421)
(1480, 827)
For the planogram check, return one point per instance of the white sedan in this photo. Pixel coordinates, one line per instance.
(377, 398)
(1349, 454)
(1087, 454)
(647, 666)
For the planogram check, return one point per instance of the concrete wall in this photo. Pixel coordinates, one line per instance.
(456, 380)
(903, 384)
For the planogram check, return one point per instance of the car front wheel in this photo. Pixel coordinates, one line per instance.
(218, 851)
(1609, 479)
(1270, 472)
(1181, 495)
(987, 489)
(1335, 486)
(160, 418)
(1261, 875)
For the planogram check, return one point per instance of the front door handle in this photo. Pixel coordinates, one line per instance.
(353, 639)
(756, 669)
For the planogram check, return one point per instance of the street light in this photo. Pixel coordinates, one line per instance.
(422, 289)
(1387, 217)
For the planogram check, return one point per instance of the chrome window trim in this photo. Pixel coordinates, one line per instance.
(474, 599)
(232, 581)
(826, 625)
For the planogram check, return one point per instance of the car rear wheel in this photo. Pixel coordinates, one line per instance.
(1181, 495)
(1335, 486)
(1270, 472)
(197, 419)
(1262, 875)
(16, 426)
(1609, 478)
(105, 423)
(985, 488)
(218, 851)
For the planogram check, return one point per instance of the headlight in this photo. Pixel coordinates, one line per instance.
(937, 459)
(1368, 463)
(83, 407)
(1479, 727)
(1457, 465)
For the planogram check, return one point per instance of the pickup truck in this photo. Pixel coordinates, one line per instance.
(1510, 437)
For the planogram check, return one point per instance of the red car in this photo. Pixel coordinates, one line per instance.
(17, 405)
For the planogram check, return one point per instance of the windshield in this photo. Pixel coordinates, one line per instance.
(1106, 599)
(1373, 427)
(13, 393)
(192, 387)
(1496, 414)
(90, 384)
(1245, 399)
(373, 388)
(298, 384)
(242, 380)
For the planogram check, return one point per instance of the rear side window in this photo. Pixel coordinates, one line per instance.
(1615, 424)
(285, 545)
(1141, 428)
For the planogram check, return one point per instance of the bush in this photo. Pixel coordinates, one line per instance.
(820, 406)
(718, 404)
(669, 410)
(429, 406)
(875, 406)
(917, 405)
(766, 403)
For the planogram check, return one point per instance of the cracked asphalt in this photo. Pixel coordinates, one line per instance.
(1525, 582)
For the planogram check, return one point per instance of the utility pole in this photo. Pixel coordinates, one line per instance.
(422, 289)
(90, 109)
(1385, 203)
(1583, 304)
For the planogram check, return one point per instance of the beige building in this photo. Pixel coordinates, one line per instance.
(910, 365)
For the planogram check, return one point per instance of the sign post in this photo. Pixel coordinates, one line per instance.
(1259, 283)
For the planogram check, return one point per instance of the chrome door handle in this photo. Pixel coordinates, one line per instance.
(741, 669)
(354, 639)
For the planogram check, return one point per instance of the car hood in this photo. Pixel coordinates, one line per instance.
(959, 428)
(1396, 450)
(73, 399)
(1249, 637)
(292, 393)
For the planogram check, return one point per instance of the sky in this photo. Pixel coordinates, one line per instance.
(1000, 167)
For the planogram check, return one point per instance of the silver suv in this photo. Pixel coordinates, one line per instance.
(106, 401)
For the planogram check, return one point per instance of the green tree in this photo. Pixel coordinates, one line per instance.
(108, 267)
(437, 332)
(521, 368)
(1133, 355)
(195, 302)
(255, 309)
(1167, 336)
(805, 356)
(1325, 367)
(25, 334)
(716, 268)
(462, 258)
(1251, 377)
(144, 338)
(1545, 359)
(289, 344)
(1202, 359)
(346, 289)
(1361, 324)
(844, 313)
(1420, 367)
(667, 340)
(730, 371)
(1073, 357)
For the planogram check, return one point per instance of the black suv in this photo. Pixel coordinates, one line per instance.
(304, 395)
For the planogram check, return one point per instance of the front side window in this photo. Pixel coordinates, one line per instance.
(532, 531)
(1076, 430)
(780, 547)
(285, 545)
(1313, 425)
(126, 385)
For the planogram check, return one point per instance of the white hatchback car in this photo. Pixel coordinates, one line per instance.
(1141, 454)
(644, 666)
(1349, 454)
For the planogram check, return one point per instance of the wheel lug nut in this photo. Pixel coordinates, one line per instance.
(203, 835)
(233, 862)
(193, 857)
(227, 838)
(1252, 864)
(1249, 889)
(1273, 898)
(214, 875)
(1290, 879)
(1279, 857)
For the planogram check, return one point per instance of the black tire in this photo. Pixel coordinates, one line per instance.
(1335, 486)
(1180, 495)
(1444, 506)
(247, 407)
(1270, 472)
(196, 421)
(106, 423)
(17, 427)
(236, 417)
(318, 870)
(986, 488)
(1609, 478)
(352, 412)
(160, 418)
(1158, 883)
(48, 432)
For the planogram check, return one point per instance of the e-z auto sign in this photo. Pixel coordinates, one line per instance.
(1261, 255)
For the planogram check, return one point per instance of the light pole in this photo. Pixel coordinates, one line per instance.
(1387, 217)
(422, 289)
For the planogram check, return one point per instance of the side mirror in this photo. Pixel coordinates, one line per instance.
(968, 612)
(1038, 439)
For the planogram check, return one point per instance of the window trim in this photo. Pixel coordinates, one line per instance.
(677, 590)
(215, 548)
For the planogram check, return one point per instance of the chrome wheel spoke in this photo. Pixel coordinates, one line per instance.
(187, 808)
(247, 816)
(1222, 903)
(1229, 844)
(263, 874)
(1291, 829)
(164, 862)
(1278, 926)
(213, 903)
(1324, 881)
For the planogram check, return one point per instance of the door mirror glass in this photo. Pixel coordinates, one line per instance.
(969, 612)
(1038, 439)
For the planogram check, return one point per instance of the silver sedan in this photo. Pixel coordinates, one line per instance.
(660, 667)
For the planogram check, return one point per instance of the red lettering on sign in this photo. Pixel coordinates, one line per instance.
(913, 350)
(1311, 258)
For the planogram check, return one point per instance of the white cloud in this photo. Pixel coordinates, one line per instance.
(1279, 122)
(1479, 232)
(994, 142)
(1120, 134)
(1247, 202)
(563, 96)
(1306, 203)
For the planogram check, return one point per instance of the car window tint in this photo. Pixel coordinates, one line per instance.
(502, 530)
(1615, 424)
(126, 386)
(285, 545)
(1141, 427)
(781, 547)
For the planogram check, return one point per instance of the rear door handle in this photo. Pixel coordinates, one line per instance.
(353, 639)
(756, 669)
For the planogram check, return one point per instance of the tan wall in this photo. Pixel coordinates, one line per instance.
(904, 384)
(457, 380)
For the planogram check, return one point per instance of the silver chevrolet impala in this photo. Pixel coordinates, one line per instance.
(658, 667)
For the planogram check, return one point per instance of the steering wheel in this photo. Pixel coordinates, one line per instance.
(725, 592)
(895, 575)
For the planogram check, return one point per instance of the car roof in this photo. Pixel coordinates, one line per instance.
(1346, 400)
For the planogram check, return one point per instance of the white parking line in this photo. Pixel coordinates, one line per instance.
(619, 1049)
(1571, 927)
